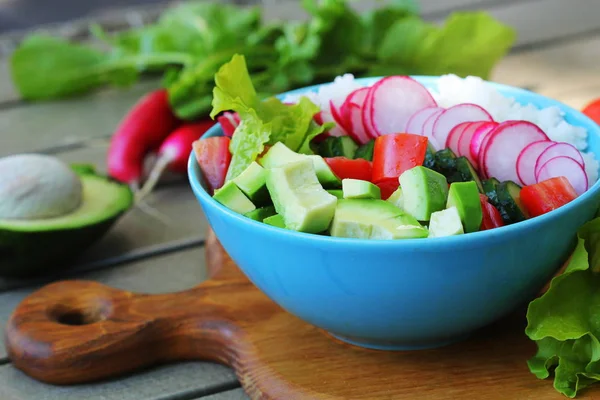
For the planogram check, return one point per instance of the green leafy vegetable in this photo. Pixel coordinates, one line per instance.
(565, 321)
(190, 42)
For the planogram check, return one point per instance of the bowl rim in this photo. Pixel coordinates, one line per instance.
(473, 239)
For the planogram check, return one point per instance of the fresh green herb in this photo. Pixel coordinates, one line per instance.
(190, 42)
(565, 321)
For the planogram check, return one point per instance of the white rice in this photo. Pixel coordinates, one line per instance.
(452, 90)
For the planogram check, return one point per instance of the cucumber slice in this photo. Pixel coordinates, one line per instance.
(509, 202)
(429, 161)
(466, 172)
(365, 151)
(489, 189)
(341, 146)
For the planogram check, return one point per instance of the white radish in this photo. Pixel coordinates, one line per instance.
(455, 115)
(505, 144)
(557, 150)
(415, 123)
(478, 138)
(394, 100)
(527, 160)
(464, 141)
(567, 167)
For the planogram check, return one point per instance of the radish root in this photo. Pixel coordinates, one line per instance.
(157, 170)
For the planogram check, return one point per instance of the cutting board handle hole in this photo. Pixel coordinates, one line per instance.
(79, 314)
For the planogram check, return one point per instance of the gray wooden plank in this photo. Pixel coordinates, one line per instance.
(40, 125)
(176, 381)
(235, 394)
(163, 274)
(7, 90)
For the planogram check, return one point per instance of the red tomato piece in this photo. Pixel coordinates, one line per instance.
(395, 153)
(548, 195)
(491, 216)
(592, 110)
(347, 168)
(213, 157)
(388, 187)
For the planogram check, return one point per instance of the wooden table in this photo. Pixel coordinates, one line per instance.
(145, 254)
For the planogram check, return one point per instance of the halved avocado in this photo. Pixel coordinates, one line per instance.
(36, 246)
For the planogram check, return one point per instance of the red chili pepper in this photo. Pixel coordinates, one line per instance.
(388, 187)
(347, 168)
(548, 195)
(491, 216)
(395, 153)
(213, 157)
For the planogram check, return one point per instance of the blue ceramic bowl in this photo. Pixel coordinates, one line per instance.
(404, 294)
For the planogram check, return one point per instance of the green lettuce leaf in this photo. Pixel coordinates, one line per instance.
(247, 143)
(565, 321)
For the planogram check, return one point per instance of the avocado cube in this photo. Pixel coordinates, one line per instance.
(424, 192)
(359, 189)
(261, 213)
(252, 183)
(275, 220)
(445, 223)
(233, 198)
(396, 198)
(400, 227)
(299, 197)
(336, 192)
(465, 197)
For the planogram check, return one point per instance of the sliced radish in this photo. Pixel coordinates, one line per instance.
(356, 125)
(415, 123)
(465, 112)
(464, 141)
(428, 128)
(505, 144)
(337, 117)
(567, 167)
(394, 100)
(527, 160)
(367, 115)
(356, 97)
(478, 137)
(558, 150)
(454, 136)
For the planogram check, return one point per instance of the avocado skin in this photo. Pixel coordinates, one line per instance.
(27, 254)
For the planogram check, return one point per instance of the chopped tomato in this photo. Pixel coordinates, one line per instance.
(548, 195)
(388, 187)
(592, 110)
(347, 168)
(213, 157)
(491, 216)
(395, 153)
(229, 121)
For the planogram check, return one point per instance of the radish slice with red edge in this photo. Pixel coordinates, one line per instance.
(356, 125)
(454, 136)
(428, 129)
(394, 100)
(465, 112)
(478, 137)
(464, 142)
(356, 98)
(337, 117)
(366, 114)
(505, 144)
(527, 160)
(415, 123)
(567, 167)
(557, 150)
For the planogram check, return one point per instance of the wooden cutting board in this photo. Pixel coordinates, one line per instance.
(78, 331)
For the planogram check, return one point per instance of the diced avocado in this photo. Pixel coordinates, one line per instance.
(366, 151)
(445, 223)
(233, 198)
(252, 183)
(373, 219)
(299, 197)
(467, 173)
(509, 202)
(29, 244)
(429, 161)
(275, 220)
(400, 227)
(279, 154)
(464, 196)
(445, 164)
(424, 192)
(261, 213)
(359, 189)
(489, 189)
(396, 198)
(340, 146)
(336, 192)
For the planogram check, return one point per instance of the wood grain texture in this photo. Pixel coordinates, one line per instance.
(275, 355)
